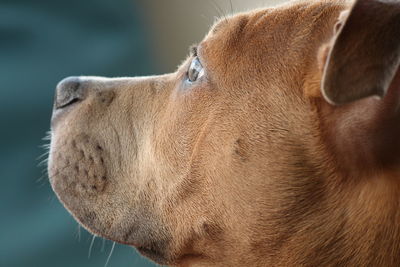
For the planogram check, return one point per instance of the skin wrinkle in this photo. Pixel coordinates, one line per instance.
(119, 148)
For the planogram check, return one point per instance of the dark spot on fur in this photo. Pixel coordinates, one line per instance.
(213, 231)
(219, 26)
(241, 149)
(238, 31)
(106, 97)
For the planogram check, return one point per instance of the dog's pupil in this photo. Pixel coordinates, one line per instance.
(194, 70)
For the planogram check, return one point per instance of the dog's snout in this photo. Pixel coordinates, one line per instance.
(68, 92)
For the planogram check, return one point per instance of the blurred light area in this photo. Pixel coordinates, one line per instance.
(42, 42)
(177, 24)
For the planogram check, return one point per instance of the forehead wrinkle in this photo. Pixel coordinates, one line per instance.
(219, 24)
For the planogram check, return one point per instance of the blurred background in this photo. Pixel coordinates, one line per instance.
(42, 42)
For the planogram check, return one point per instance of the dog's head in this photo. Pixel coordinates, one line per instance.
(233, 158)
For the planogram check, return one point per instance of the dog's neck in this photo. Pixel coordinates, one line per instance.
(353, 221)
(362, 137)
(363, 208)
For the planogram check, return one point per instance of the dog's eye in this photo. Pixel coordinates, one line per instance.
(195, 71)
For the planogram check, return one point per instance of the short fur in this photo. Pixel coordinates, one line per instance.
(250, 165)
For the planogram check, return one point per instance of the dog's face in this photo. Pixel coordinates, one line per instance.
(220, 163)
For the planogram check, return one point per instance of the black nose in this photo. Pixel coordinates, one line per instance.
(68, 92)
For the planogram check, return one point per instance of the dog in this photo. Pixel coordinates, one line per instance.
(274, 144)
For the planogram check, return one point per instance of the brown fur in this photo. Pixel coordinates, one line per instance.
(249, 166)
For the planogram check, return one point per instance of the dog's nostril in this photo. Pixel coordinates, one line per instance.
(68, 92)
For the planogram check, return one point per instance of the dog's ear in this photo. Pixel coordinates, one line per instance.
(364, 55)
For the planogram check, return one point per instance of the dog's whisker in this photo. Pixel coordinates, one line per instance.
(216, 8)
(91, 246)
(43, 155)
(109, 256)
(47, 137)
(205, 18)
(43, 162)
(231, 4)
(79, 233)
(45, 146)
(42, 179)
(219, 10)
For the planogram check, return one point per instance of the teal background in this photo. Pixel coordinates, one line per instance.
(41, 42)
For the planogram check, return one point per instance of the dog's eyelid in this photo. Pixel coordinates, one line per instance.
(193, 50)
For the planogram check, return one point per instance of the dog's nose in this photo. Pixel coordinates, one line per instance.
(68, 92)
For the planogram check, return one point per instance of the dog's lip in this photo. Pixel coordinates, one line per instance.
(59, 113)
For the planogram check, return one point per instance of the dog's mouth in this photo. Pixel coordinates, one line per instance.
(83, 176)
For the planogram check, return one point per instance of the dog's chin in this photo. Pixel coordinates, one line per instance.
(132, 233)
(154, 255)
(162, 258)
(157, 250)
